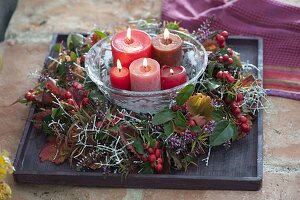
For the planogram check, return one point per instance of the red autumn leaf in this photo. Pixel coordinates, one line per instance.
(122, 132)
(54, 152)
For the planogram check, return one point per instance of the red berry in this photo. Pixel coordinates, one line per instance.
(70, 102)
(156, 144)
(224, 34)
(220, 59)
(150, 150)
(85, 101)
(79, 87)
(82, 58)
(28, 96)
(192, 123)
(242, 119)
(160, 160)
(237, 111)
(175, 108)
(245, 127)
(233, 105)
(157, 153)
(230, 61)
(239, 97)
(230, 51)
(32, 97)
(222, 45)
(220, 38)
(152, 158)
(230, 79)
(225, 57)
(227, 100)
(68, 95)
(219, 75)
(75, 84)
(145, 145)
(158, 167)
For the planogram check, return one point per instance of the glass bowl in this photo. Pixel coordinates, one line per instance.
(99, 61)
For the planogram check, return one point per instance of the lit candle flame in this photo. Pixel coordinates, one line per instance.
(145, 63)
(119, 65)
(128, 35)
(166, 34)
(171, 71)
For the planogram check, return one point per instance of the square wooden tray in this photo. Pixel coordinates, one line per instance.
(239, 168)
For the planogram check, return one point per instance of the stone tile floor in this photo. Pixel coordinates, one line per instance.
(24, 50)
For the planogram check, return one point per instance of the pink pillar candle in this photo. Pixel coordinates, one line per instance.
(130, 45)
(172, 76)
(145, 75)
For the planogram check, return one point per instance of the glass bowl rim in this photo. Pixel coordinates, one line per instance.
(150, 93)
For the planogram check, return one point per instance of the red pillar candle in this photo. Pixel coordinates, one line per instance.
(131, 45)
(119, 77)
(167, 49)
(172, 77)
(145, 75)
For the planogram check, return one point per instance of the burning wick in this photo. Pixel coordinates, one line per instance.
(128, 35)
(171, 71)
(145, 63)
(119, 65)
(166, 34)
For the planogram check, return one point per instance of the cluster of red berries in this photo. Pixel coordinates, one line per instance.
(227, 58)
(154, 157)
(236, 111)
(221, 38)
(30, 96)
(225, 75)
(69, 97)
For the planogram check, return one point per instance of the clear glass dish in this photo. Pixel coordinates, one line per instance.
(99, 61)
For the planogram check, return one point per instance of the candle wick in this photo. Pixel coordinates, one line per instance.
(119, 69)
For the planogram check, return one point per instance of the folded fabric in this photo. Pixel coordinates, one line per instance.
(277, 23)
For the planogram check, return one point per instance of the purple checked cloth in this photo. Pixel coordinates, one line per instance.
(277, 23)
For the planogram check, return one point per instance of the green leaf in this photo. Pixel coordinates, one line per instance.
(224, 131)
(100, 33)
(73, 56)
(210, 68)
(236, 133)
(138, 145)
(195, 129)
(146, 168)
(163, 117)
(168, 128)
(218, 115)
(185, 94)
(61, 70)
(180, 120)
(74, 40)
(56, 113)
(237, 62)
(177, 162)
(57, 47)
(179, 123)
(212, 84)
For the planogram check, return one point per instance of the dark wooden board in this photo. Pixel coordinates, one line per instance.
(239, 168)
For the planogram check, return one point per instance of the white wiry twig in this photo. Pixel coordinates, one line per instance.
(206, 160)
